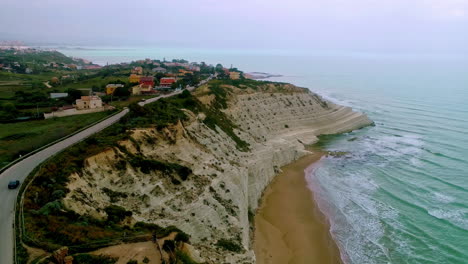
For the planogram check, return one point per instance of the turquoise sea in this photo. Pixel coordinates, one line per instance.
(400, 195)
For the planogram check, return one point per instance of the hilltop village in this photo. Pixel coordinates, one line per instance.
(38, 85)
(62, 86)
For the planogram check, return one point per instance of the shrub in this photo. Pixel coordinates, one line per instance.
(182, 236)
(51, 207)
(132, 262)
(114, 195)
(229, 245)
(169, 245)
(116, 213)
(148, 165)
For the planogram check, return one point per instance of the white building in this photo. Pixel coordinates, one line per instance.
(58, 95)
(88, 102)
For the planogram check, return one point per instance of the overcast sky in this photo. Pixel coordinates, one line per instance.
(362, 25)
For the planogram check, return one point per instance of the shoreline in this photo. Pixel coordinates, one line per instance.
(289, 227)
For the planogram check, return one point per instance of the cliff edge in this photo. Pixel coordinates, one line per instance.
(198, 161)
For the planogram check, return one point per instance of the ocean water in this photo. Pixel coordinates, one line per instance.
(400, 194)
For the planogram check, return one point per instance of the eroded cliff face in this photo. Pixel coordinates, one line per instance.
(215, 201)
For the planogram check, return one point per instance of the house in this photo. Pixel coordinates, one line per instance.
(137, 70)
(28, 71)
(148, 80)
(88, 102)
(184, 72)
(167, 81)
(142, 89)
(159, 69)
(58, 95)
(234, 75)
(111, 87)
(134, 78)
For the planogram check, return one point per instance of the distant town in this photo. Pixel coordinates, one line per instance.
(37, 84)
(45, 95)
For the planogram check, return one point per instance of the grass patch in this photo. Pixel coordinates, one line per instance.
(23, 137)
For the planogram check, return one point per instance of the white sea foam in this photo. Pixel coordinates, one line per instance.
(348, 196)
(443, 198)
(354, 214)
(458, 217)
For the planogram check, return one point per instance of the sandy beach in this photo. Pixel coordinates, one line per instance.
(289, 228)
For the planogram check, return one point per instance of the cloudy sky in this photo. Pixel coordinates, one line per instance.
(363, 25)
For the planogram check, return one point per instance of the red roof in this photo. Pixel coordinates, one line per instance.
(167, 81)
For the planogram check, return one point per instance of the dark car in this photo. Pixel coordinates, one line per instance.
(13, 184)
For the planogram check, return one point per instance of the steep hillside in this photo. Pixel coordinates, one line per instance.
(200, 162)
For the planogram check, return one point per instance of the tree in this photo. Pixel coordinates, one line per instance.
(122, 91)
(73, 94)
(9, 107)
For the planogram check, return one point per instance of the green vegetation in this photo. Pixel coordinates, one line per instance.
(113, 195)
(229, 245)
(184, 258)
(115, 213)
(169, 169)
(34, 58)
(182, 237)
(23, 137)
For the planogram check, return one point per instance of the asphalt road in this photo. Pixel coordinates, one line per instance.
(22, 169)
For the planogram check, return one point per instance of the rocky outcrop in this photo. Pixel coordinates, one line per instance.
(214, 202)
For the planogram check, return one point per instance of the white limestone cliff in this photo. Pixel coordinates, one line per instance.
(214, 202)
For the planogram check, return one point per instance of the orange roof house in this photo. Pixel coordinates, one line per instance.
(183, 72)
(134, 78)
(167, 81)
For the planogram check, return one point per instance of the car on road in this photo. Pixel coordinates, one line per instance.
(13, 184)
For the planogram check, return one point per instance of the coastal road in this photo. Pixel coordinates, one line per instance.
(22, 169)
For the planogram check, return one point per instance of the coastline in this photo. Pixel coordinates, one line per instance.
(289, 227)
